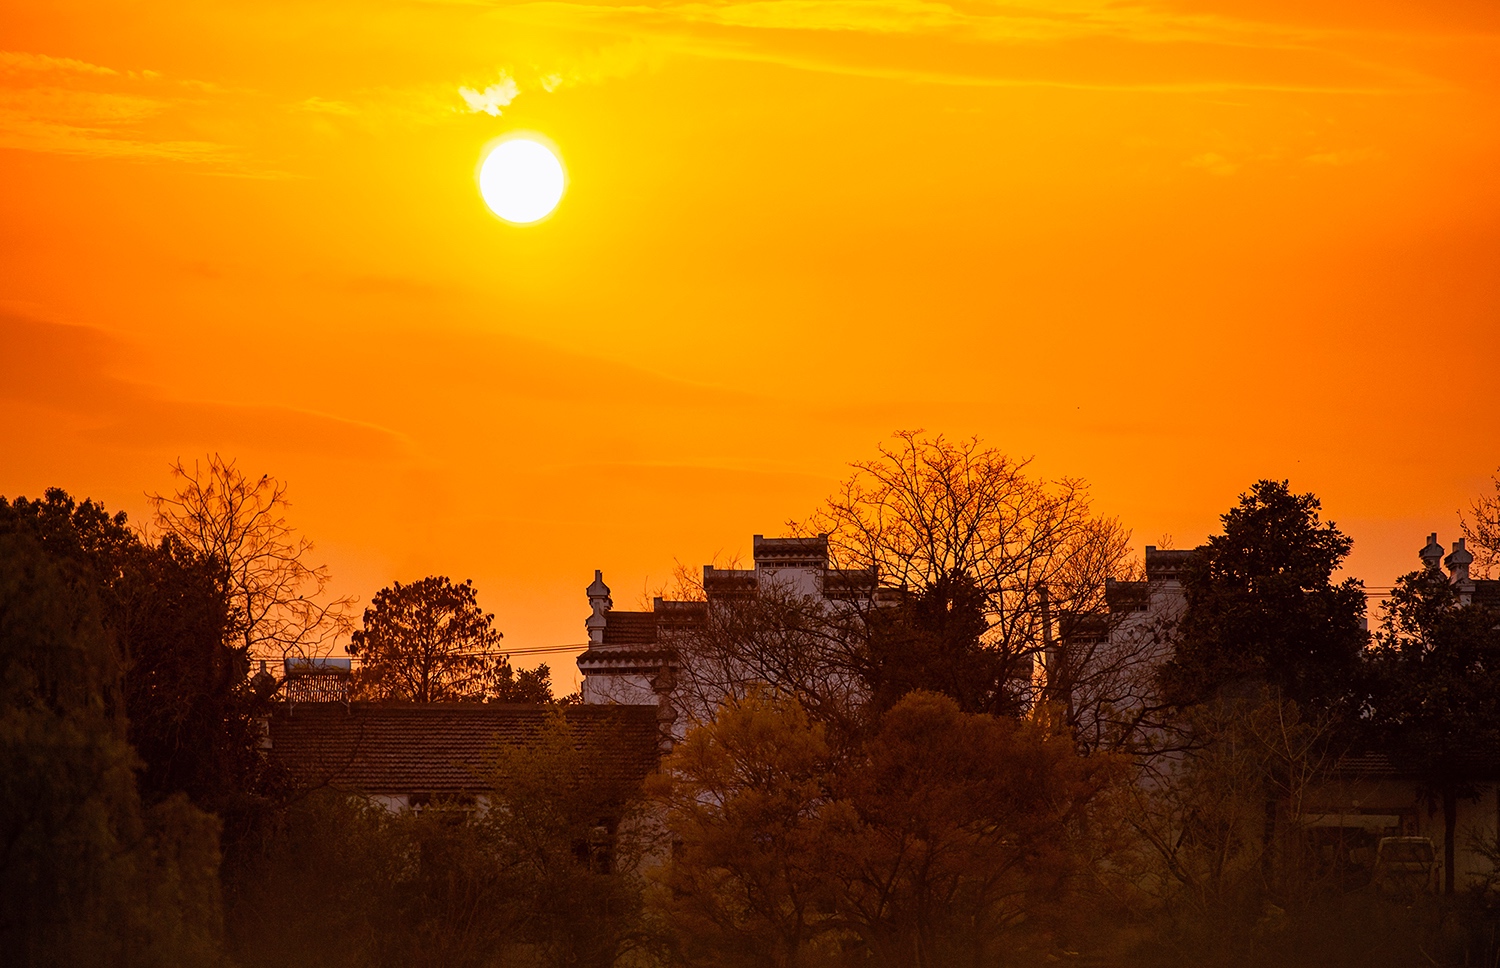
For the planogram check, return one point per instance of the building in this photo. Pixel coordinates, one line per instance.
(1101, 669)
(634, 657)
(405, 755)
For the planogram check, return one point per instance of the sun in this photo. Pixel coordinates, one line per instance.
(521, 180)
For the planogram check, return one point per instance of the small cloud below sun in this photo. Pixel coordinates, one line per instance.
(493, 98)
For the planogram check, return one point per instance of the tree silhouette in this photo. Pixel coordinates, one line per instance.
(933, 640)
(1435, 698)
(1262, 605)
(940, 838)
(429, 641)
(929, 508)
(190, 707)
(279, 602)
(88, 874)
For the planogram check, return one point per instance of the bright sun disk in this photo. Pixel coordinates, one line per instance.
(521, 180)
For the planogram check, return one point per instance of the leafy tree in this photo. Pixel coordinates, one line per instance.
(567, 830)
(279, 602)
(933, 640)
(87, 875)
(546, 876)
(429, 641)
(190, 710)
(942, 838)
(1262, 605)
(969, 836)
(1435, 697)
(508, 684)
(750, 805)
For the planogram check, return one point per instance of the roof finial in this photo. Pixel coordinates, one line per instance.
(599, 602)
(1431, 553)
(1458, 563)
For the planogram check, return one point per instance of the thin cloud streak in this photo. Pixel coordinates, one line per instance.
(765, 32)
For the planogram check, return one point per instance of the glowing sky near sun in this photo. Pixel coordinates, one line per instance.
(1170, 247)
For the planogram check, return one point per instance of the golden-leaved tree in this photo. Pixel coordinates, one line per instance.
(941, 838)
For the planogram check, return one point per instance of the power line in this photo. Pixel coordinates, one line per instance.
(540, 650)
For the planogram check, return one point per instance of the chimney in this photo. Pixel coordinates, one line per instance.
(1458, 564)
(1431, 553)
(599, 602)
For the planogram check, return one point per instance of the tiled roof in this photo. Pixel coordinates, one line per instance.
(849, 579)
(1163, 563)
(796, 549)
(1478, 758)
(655, 655)
(726, 582)
(442, 748)
(1487, 592)
(1372, 766)
(630, 628)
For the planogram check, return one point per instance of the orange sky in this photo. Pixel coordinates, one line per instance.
(1169, 247)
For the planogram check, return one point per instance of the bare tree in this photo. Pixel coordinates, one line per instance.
(1221, 826)
(1483, 531)
(928, 507)
(801, 646)
(280, 605)
(1103, 674)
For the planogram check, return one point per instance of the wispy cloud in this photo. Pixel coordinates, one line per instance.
(62, 105)
(1213, 163)
(12, 62)
(1086, 44)
(491, 99)
(593, 67)
(71, 370)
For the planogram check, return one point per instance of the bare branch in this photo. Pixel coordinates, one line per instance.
(280, 606)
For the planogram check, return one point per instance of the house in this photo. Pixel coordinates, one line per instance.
(405, 755)
(634, 657)
(1102, 668)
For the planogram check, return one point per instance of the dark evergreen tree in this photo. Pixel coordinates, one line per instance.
(1263, 608)
(88, 874)
(189, 704)
(933, 641)
(1435, 692)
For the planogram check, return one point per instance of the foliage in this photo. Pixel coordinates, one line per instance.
(1435, 690)
(540, 872)
(1262, 605)
(933, 640)
(190, 710)
(928, 509)
(944, 838)
(279, 603)
(429, 641)
(87, 875)
(567, 829)
(507, 684)
(751, 807)
(311, 889)
(970, 833)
